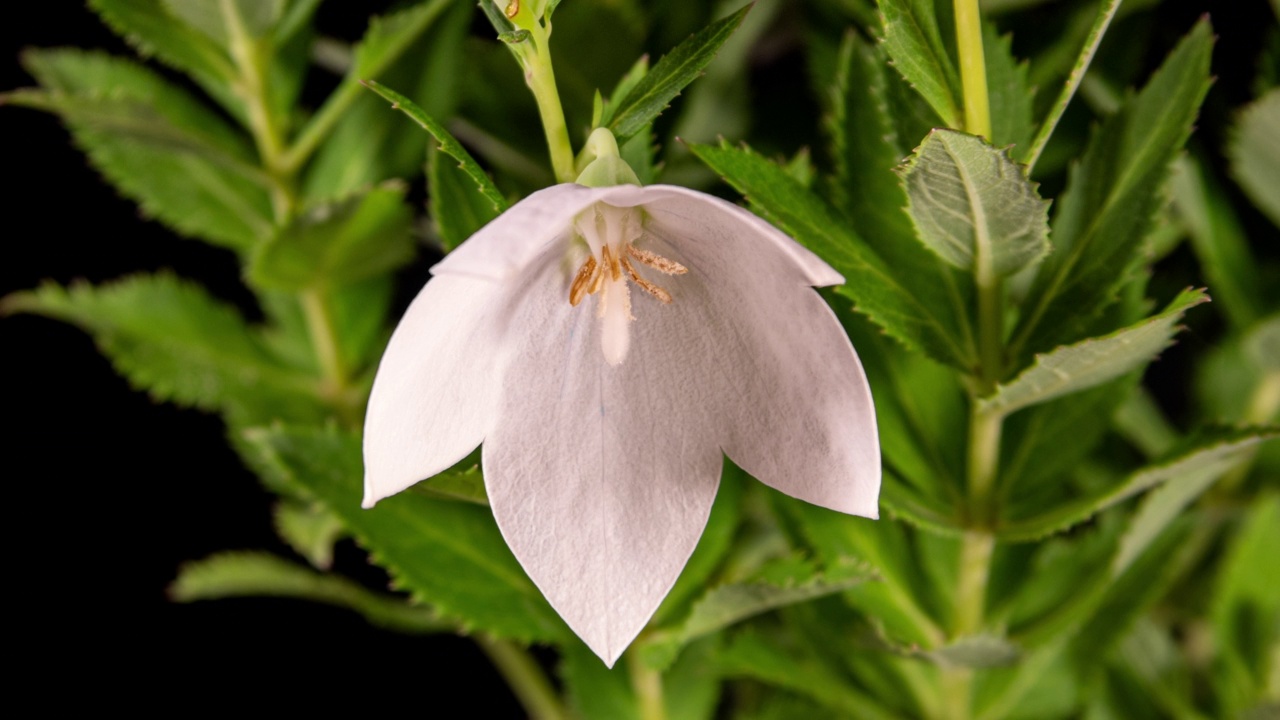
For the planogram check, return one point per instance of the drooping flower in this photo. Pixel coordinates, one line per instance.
(609, 346)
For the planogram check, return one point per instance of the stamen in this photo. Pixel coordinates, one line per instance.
(657, 262)
(587, 275)
(645, 285)
(615, 271)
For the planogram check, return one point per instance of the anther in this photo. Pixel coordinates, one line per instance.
(657, 262)
(583, 281)
(645, 285)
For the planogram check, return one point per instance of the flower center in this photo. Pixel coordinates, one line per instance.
(611, 232)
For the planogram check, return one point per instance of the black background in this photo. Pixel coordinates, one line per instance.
(107, 493)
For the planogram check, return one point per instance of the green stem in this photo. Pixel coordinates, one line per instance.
(1091, 43)
(525, 678)
(324, 340)
(541, 78)
(647, 684)
(973, 68)
(985, 430)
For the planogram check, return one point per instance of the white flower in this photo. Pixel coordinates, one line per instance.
(608, 345)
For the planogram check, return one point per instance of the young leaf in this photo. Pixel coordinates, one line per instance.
(448, 145)
(784, 583)
(1254, 149)
(456, 207)
(1012, 95)
(448, 555)
(968, 201)
(1091, 362)
(649, 97)
(1111, 198)
(158, 144)
(906, 292)
(1186, 467)
(915, 43)
(255, 574)
(310, 530)
(173, 340)
(338, 243)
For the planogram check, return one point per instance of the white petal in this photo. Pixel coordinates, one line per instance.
(601, 477)
(793, 403)
(436, 390)
(505, 246)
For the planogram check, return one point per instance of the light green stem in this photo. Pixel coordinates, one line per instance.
(525, 678)
(973, 68)
(1100, 24)
(324, 340)
(647, 684)
(541, 78)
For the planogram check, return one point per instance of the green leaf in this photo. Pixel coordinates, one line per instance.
(669, 77)
(975, 651)
(689, 691)
(219, 21)
(158, 144)
(1185, 468)
(1219, 241)
(417, 49)
(448, 145)
(784, 583)
(463, 482)
(625, 85)
(255, 574)
(1262, 344)
(170, 338)
(776, 661)
(906, 292)
(1091, 362)
(1245, 609)
(457, 208)
(1011, 93)
(448, 555)
(1254, 150)
(148, 26)
(309, 529)
(914, 41)
(1111, 198)
(339, 243)
(969, 201)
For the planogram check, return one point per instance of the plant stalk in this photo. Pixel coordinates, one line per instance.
(541, 78)
(647, 684)
(525, 678)
(973, 68)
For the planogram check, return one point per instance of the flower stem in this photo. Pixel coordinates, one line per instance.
(541, 77)
(973, 68)
(647, 684)
(525, 678)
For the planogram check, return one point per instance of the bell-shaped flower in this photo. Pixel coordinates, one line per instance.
(608, 346)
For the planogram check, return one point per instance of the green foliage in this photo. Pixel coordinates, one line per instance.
(969, 201)
(309, 529)
(917, 44)
(170, 338)
(457, 209)
(428, 545)
(1255, 153)
(651, 95)
(1111, 197)
(156, 143)
(338, 243)
(254, 574)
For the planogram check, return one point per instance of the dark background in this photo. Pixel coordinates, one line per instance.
(108, 493)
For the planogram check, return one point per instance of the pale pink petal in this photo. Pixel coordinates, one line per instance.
(601, 477)
(436, 390)
(792, 402)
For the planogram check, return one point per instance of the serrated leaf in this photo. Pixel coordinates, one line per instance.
(457, 483)
(1254, 150)
(310, 530)
(337, 244)
(254, 574)
(976, 651)
(457, 208)
(1218, 240)
(158, 144)
(448, 555)
(1245, 609)
(625, 85)
(219, 21)
(1091, 362)
(1188, 469)
(1011, 93)
(417, 49)
(170, 338)
(1111, 198)
(652, 94)
(727, 605)
(971, 203)
(914, 42)
(448, 145)
(149, 27)
(906, 292)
